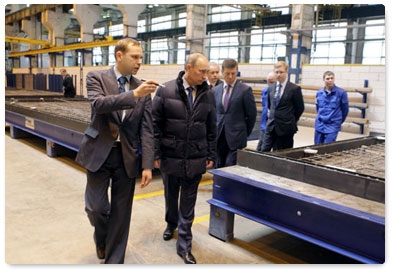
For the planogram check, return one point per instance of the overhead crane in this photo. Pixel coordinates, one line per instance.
(108, 42)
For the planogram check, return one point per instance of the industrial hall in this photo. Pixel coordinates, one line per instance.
(208, 134)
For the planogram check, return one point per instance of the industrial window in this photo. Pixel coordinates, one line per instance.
(374, 45)
(141, 26)
(224, 13)
(182, 19)
(224, 45)
(159, 51)
(162, 22)
(328, 44)
(116, 30)
(181, 50)
(267, 45)
(97, 54)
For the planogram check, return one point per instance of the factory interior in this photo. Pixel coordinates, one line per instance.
(315, 207)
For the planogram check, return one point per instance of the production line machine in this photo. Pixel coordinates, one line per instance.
(49, 115)
(332, 195)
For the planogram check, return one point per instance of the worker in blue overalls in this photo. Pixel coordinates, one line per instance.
(332, 110)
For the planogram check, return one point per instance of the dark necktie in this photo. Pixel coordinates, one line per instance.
(277, 94)
(190, 96)
(226, 97)
(122, 80)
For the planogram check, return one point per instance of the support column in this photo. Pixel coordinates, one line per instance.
(245, 39)
(87, 16)
(130, 18)
(13, 31)
(30, 28)
(195, 28)
(354, 41)
(56, 22)
(302, 18)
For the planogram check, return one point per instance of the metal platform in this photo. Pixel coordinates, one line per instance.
(59, 121)
(15, 94)
(326, 204)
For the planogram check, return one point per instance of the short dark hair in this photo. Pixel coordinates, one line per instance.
(229, 63)
(122, 45)
(328, 73)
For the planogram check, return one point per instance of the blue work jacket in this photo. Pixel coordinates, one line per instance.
(332, 109)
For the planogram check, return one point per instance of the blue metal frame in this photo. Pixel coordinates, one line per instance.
(63, 136)
(352, 233)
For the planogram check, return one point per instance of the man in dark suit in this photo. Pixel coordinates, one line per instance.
(117, 147)
(236, 114)
(185, 133)
(286, 105)
(68, 86)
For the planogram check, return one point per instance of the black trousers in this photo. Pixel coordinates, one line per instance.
(225, 156)
(180, 201)
(273, 141)
(111, 221)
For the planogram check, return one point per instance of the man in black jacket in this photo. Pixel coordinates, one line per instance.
(185, 133)
(68, 86)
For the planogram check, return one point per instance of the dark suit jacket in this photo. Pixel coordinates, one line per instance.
(69, 90)
(136, 130)
(283, 118)
(239, 119)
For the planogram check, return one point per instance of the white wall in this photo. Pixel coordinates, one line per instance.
(345, 75)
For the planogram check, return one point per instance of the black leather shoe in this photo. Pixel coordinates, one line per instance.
(168, 234)
(187, 257)
(100, 249)
(101, 252)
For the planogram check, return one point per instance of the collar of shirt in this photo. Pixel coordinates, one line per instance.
(232, 85)
(186, 85)
(118, 75)
(283, 84)
(282, 87)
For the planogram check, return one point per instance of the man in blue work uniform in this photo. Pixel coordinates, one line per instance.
(332, 110)
(271, 79)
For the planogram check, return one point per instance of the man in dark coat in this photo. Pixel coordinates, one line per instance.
(185, 134)
(285, 106)
(68, 86)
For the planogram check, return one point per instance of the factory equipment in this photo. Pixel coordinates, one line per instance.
(332, 195)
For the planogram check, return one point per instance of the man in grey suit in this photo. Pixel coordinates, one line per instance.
(117, 147)
(236, 114)
(285, 106)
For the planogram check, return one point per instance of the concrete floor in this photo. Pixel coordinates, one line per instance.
(45, 222)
